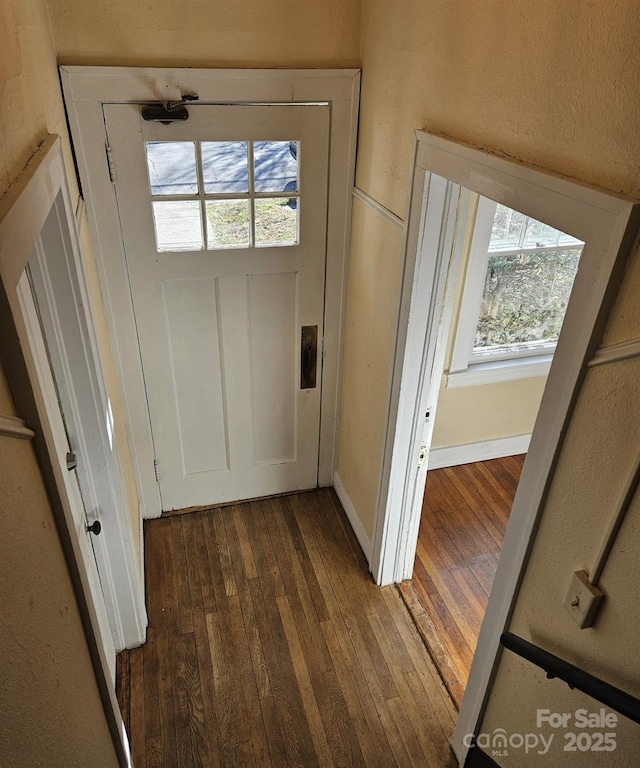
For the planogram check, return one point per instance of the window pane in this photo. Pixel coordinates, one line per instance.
(172, 167)
(178, 225)
(227, 224)
(525, 297)
(224, 166)
(275, 166)
(539, 235)
(507, 229)
(276, 221)
(512, 230)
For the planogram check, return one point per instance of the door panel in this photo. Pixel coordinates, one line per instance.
(272, 347)
(191, 308)
(223, 219)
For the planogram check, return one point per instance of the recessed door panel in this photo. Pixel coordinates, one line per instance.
(272, 331)
(196, 369)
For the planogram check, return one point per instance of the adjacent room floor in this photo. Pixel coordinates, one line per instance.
(269, 645)
(464, 518)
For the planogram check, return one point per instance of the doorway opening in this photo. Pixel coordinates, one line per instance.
(446, 178)
(509, 295)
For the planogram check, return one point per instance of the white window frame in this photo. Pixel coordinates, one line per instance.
(86, 90)
(468, 368)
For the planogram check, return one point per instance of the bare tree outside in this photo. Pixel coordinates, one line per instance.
(529, 277)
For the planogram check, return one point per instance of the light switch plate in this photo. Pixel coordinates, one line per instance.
(583, 600)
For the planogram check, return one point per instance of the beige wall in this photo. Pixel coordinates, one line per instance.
(487, 412)
(208, 33)
(552, 84)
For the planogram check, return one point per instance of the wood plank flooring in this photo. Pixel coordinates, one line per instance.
(464, 517)
(270, 645)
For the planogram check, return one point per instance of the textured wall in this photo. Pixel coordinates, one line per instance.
(30, 103)
(550, 83)
(208, 33)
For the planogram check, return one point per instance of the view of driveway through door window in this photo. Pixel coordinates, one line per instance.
(224, 194)
(223, 220)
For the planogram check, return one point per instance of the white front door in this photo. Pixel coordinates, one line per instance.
(223, 219)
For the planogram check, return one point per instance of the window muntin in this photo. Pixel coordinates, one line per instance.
(222, 195)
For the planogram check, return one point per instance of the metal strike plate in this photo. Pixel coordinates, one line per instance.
(308, 356)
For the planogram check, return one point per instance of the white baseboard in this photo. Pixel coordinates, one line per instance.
(352, 516)
(453, 455)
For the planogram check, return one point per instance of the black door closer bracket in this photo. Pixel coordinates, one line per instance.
(168, 112)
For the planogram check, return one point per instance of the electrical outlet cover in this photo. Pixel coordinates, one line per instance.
(583, 600)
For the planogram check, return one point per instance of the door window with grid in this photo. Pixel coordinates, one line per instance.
(214, 195)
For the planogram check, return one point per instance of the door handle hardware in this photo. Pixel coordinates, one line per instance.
(95, 528)
(72, 461)
(308, 356)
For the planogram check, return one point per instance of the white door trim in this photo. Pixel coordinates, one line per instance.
(86, 89)
(23, 212)
(608, 223)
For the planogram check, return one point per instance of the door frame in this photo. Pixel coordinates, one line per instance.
(23, 212)
(608, 223)
(85, 90)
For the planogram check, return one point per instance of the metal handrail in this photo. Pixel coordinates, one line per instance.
(554, 666)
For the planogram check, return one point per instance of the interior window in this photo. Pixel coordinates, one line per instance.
(519, 277)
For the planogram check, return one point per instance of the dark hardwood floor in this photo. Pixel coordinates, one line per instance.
(269, 645)
(464, 517)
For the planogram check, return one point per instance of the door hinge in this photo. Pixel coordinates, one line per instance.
(156, 469)
(110, 163)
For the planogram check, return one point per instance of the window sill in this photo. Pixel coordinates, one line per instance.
(502, 370)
